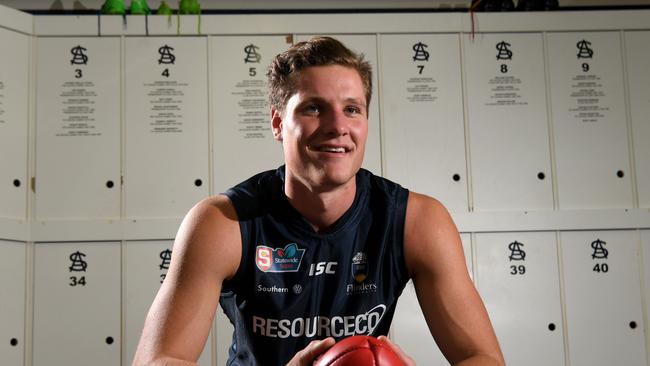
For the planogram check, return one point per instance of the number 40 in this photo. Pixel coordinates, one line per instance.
(601, 267)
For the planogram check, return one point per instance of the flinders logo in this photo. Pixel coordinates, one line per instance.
(360, 273)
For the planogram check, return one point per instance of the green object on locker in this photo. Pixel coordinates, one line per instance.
(189, 7)
(164, 9)
(140, 7)
(113, 7)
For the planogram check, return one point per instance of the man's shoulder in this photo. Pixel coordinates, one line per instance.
(256, 193)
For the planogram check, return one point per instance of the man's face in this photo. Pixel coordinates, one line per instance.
(324, 127)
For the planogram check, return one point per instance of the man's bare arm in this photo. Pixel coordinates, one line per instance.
(453, 309)
(207, 250)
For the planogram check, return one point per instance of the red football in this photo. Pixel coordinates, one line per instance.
(359, 350)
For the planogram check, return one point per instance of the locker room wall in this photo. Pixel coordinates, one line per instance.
(534, 139)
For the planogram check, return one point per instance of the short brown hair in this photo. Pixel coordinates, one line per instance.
(285, 68)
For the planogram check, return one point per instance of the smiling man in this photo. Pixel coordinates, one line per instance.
(319, 249)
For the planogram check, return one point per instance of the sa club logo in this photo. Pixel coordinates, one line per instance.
(285, 259)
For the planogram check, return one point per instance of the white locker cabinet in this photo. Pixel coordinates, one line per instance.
(589, 120)
(78, 128)
(77, 304)
(145, 267)
(243, 141)
(409, 329)
(637, 45)
(14, 104)
(166, 165)
(424, 134)
(602, 298)
(645, 252)
(367, 45)
(518, 278)
(12, 303)
(508, 125)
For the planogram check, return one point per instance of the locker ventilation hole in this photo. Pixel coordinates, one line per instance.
(16, 183)
(13, 342)
(633, 324)
(551, 327)
(109, 340)
(541, 175)
(110, 184)
(198, 182)
(456, 177)
(620, 174)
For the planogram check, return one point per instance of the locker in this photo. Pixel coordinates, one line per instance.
(508, 126)
(602, 298)
(424, 134)
(518, 278)
(78, 128)
(77, 304)
(243, 142)
(645, 253)
(409, 328)
(145, 266)
(166, 165)
(12, 293)
(637, 45)
(14, 104)
(589, 122)
(366, 44)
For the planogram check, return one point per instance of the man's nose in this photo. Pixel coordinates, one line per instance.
(336, 123)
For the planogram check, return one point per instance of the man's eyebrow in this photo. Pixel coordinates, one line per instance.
(355, 101)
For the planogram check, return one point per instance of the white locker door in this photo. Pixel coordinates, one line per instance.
(409, 329)
(602, 297)
(367, 45)
(12, 303)
(77, 304)
(166, 165)
(422, 99)
(508, 125)
(638, 64)
(243, 142)
(518, 278)
(78, 128)
(145, 267)
(14, 104)
(645, 251)
(589, 120)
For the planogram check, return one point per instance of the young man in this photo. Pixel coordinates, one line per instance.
(318, 249)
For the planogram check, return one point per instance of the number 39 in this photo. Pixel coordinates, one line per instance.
(517, 270)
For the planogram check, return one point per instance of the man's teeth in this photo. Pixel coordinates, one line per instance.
(333, 149)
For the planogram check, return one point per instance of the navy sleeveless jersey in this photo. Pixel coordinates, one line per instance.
(294, 285)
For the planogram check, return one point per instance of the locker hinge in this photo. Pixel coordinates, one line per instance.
(33, 184)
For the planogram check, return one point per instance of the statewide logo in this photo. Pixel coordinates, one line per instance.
(285, 259)
(360, 267)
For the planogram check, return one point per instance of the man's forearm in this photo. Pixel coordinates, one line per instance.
(481, 360)
(167, 361)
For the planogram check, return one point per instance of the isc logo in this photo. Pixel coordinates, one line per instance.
(322, 267)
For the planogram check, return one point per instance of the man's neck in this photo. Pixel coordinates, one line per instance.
(322, 208)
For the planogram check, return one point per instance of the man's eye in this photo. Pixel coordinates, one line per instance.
(312, 108)
(352, 110)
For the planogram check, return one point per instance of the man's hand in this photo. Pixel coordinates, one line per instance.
(408, 361)
(307, 356)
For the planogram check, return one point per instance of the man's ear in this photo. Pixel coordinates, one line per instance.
(276, 123)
